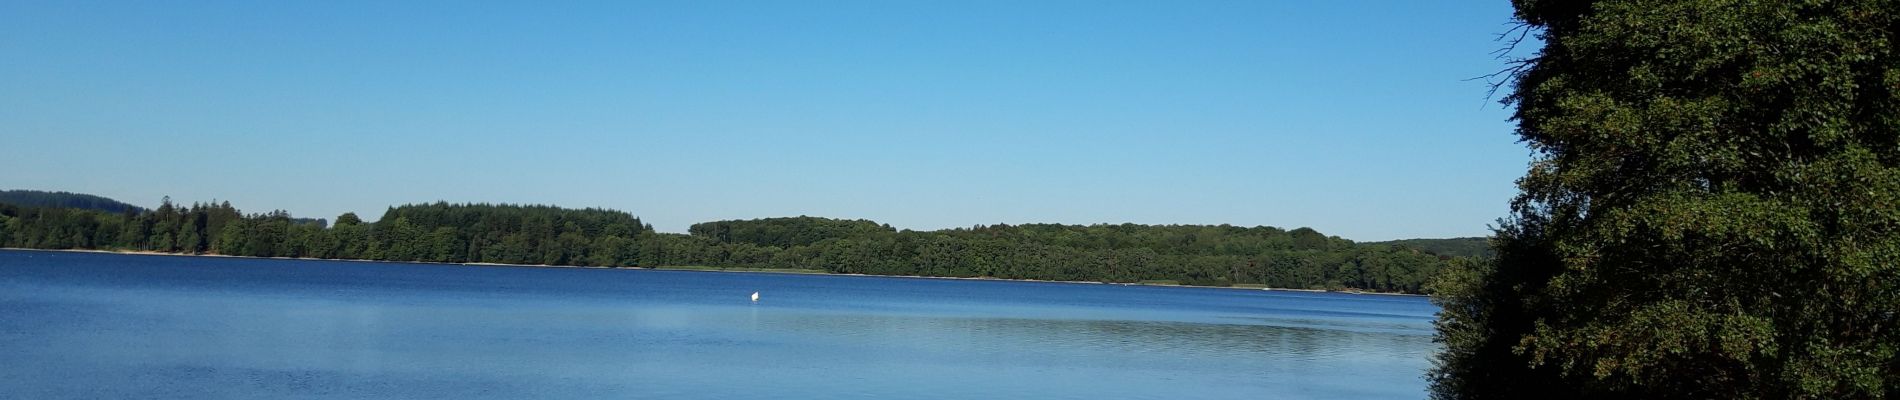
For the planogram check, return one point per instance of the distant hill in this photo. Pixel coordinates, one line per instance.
(37, 198)
(787, 232)
(1454, 247)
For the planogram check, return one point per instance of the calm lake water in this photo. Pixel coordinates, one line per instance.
(83, 326)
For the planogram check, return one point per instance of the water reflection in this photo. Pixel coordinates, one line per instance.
(1189, 340)
(130, 328)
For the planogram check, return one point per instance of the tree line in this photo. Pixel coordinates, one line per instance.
(40, 198)
(1473, 247)
(1188, 254)
(531, 234)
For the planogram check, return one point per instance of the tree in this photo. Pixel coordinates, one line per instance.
(1713, 210)
(35, 198)
(233, 238)
(165, 229)
(444, 232)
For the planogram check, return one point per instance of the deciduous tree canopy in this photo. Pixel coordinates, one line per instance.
(514, 234)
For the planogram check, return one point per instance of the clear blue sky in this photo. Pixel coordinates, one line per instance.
(1351, 117)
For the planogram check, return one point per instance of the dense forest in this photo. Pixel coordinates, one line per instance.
(37, 198)
(1455, 247)
(525, 234)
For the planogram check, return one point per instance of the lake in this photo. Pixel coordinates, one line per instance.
(89, 325)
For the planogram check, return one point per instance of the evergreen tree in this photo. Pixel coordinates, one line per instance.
(1713, 212)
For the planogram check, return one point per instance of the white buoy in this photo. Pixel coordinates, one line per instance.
(755, 297)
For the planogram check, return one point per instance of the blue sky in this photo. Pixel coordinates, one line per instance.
(1351, 117)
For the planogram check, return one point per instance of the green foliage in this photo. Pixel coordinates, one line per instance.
(1454, 247)
(437, 232)
(35, 198)
(441, 232)
(1192, 254)
(786, 232)
(1714, 211)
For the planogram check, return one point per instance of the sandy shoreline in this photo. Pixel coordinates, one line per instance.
(707, 269)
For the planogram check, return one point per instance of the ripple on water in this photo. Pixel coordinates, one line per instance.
(108, 326)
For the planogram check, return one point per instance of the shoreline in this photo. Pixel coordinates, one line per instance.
(792, 271)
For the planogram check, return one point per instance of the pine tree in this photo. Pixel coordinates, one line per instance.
(1713, 211)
